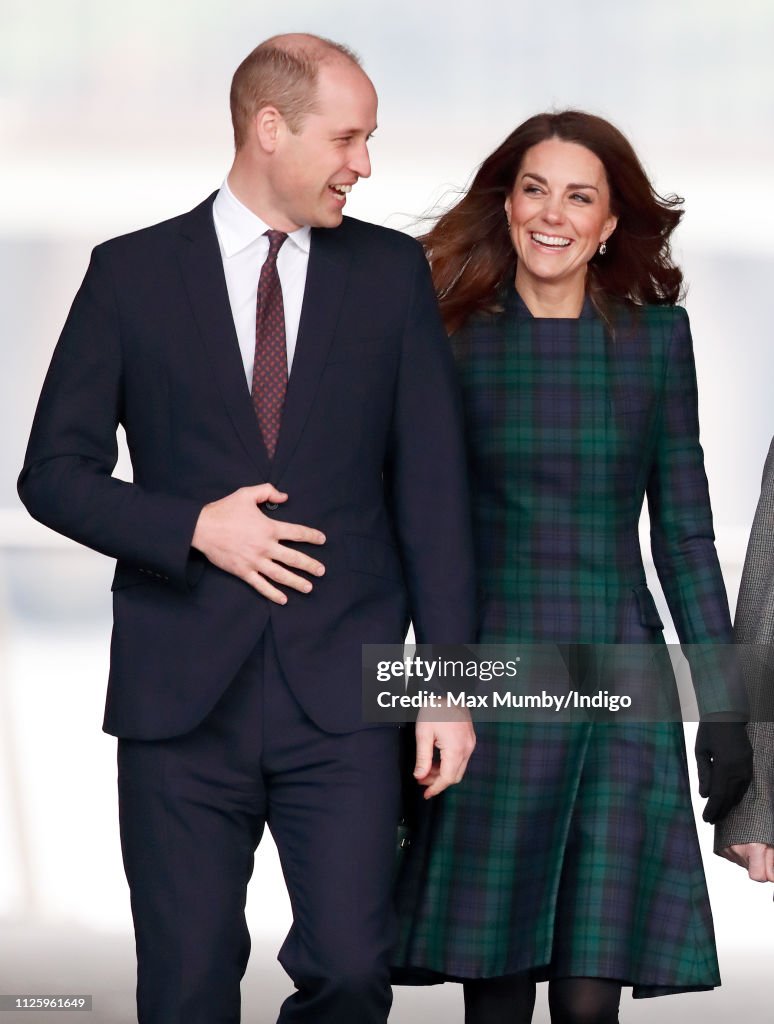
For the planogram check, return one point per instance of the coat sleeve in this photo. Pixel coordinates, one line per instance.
(66, 481)
(752, 820)
(682, 535)
(427, 475)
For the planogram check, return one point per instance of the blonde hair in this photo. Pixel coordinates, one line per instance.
(283, 74)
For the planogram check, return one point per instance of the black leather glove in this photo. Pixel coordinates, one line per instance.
(725, 760)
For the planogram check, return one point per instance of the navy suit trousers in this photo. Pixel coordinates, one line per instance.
(192, 811)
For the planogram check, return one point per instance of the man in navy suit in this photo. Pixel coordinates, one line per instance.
(273, 364)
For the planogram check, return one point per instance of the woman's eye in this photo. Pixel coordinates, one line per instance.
(582, 196)
(532, 189)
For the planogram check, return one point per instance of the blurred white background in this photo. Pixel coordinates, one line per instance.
(113, 115)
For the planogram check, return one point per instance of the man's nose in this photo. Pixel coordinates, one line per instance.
(360, 161)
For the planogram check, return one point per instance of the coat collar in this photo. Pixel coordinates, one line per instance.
(202, 269)
(514, 303)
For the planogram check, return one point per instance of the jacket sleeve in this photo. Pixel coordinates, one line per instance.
(427, 475)
(682, 536)
(752, 820)
(66, 481)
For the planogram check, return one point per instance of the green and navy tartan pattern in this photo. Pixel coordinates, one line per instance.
(572, 849)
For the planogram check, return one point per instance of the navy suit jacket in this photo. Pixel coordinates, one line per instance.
(370, 452)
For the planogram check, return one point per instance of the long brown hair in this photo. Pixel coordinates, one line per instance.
(470, 248)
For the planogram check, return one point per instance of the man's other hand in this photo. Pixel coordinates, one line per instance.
(455, 740)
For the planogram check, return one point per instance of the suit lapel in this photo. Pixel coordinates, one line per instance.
(326, 281)
(205, 282)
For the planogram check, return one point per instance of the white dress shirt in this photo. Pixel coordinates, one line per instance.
(243, 249)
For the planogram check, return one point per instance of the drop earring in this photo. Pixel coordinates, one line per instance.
(603, 248)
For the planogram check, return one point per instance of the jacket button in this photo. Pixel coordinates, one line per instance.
(271, 506)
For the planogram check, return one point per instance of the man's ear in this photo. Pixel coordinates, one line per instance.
(269, 125)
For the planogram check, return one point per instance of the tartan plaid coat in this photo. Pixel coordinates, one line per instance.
(572, 849)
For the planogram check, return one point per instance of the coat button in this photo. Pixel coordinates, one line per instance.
(271, 506)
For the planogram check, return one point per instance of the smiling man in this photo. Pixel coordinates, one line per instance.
(273, 364)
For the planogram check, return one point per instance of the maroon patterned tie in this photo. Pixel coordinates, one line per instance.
(270, 368)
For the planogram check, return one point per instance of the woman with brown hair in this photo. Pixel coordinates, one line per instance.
(569, 851)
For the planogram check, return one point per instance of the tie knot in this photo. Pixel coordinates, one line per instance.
(276, 238)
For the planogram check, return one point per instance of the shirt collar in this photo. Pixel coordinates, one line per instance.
(239, 227)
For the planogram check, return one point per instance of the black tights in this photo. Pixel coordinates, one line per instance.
(511, 1000)
(508, 1000)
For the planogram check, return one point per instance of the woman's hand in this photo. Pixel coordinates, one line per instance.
(724, 758)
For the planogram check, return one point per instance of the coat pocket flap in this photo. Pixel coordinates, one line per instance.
(649, 615)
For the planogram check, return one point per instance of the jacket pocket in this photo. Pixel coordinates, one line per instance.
(129, 576)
